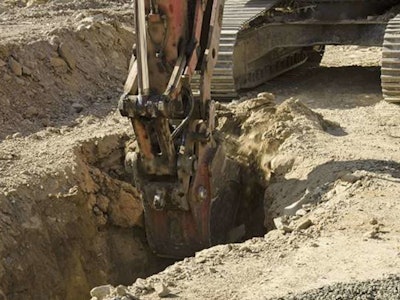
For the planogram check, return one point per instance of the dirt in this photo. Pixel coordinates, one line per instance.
(325, 165)
(69, 219)
(62, 61)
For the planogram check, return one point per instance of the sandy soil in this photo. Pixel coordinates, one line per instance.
(69, 215)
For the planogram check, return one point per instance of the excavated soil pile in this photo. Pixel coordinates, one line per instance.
(61, 61)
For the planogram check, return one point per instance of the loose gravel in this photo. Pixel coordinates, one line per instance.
(384, 289)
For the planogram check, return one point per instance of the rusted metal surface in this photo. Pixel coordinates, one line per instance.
(175, 164)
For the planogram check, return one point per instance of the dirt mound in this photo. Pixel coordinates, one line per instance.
(256, 131)
(54, 72)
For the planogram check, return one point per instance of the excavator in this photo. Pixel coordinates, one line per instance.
(189, 53)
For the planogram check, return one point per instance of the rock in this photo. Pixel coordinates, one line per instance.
(67, 55)
(26, 71)
(79, 16)
(77, 107)
(101, 291)
(301, 212)
(371, 234)
(97, 211)
(59, 64)
(266, 95)
(126, 210)
(54, 42)
(2, 63)
(15, 66)
(31, 111)
(161, 289)
(244, 248)
(7, 77)
(92, 19)
(304, 224)
(281, 164)
(200, 260)
(142, 284)
(286, 229)
(121, 290)
(279, 224)
(307, 198)
(103, 202)
(20, 81)
(35, 2)
(373, 221)
(16, 135)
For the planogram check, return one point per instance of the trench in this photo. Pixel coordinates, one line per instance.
(121, 217)
(117, 210)
(85, 228)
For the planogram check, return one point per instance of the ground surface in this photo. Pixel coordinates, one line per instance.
(345, 173)
(68, 215)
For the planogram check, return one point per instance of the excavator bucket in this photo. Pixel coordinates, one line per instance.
(213, 206)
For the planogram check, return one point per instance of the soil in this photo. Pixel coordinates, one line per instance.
(322, 155)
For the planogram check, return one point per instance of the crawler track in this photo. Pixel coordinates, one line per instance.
(236, 14)
(391, 62)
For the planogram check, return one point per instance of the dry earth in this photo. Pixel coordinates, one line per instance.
(339, 179)
(69, 220)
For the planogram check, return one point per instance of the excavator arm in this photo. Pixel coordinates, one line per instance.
(176, 162)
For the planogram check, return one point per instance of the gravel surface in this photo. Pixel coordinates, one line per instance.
(384, 289)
